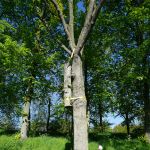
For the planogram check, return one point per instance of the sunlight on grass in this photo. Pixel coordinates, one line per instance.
(60, 143)
(93, 146)
(36, 143)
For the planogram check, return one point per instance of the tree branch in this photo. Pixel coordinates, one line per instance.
(64, 47)
(58, 41)
(89, 22)
(71, 23)
(96, 11)
(86, 26)
(61, 16)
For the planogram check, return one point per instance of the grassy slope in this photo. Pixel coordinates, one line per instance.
(53, 143)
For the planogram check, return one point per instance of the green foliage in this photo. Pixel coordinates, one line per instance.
(12, 53)
(13, 58)
(115, 63)
(5, 27)
(143, 139)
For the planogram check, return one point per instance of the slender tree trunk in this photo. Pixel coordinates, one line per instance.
(146, 92)
(127, 124)
(147, 107)
(100, 111)
(79, 105)
(26, 111)
(25, 121)
(101, 120)
(29, 118)
(48, 117)
(100, 115)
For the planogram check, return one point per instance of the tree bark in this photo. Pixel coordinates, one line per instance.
(25, 121)
(79, 105)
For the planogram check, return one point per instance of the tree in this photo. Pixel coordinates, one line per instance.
(129, 43)
(27, 17)
(76, 63)
(13, 57)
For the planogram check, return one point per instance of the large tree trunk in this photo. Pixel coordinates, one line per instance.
(25, 121)
(79, 105)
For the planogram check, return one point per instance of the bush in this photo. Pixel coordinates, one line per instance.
(61, 127)
(137, 131)
(37, 128)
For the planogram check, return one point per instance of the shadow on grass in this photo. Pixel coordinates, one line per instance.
(7, 132)
(68, 146)
(106, 136)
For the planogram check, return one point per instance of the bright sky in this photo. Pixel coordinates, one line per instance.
(114, 120)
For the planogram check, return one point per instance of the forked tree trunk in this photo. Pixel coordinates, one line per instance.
(79, 105)
(78, 99)
(25, 121)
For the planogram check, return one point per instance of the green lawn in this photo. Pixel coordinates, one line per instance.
(59, 143)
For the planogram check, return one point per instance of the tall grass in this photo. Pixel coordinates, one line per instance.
(59, 143)
(36, 143)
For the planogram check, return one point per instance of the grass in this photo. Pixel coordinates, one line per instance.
(33, 143)
(9, 142)
(122, 145)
